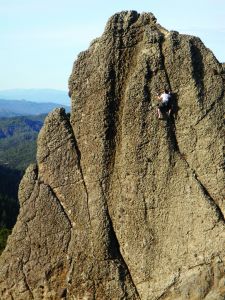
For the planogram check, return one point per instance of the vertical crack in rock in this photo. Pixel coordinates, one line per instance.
(205, 192)
(54, 194)
(167, 289)
(173, 139)
(209, 198)
(114, 116)
(82, 176)
(211, 107)
(115, 248)
(59, 202)
(198, 69)
(122, 259)
(146, 106)
(111, 115)
(171, 134)
(80, 167)
(29, 254)
(23, 264)
(168, 84)
(26, 282)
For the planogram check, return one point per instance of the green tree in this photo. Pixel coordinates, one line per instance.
(4, 233)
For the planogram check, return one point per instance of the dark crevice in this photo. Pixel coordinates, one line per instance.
(111, 114)
(114, 114)
(171, 134)
(170, 120)
(174, 99)
(198, 70)
(117, 82)
(144, 111)
(167, 85)
(63, 294)
(94, 292)
(147, 77)
(114, 247)
(115, 104)
(115, 251)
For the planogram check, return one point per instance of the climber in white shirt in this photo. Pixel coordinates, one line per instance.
(164, 106)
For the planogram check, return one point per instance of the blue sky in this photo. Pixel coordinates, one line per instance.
(40, 39)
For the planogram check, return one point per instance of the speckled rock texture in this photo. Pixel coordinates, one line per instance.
(121, 205)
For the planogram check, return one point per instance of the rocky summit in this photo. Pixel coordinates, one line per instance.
(121, 205)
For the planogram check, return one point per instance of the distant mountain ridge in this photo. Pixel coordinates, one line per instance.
(12, 108)
(36, 95)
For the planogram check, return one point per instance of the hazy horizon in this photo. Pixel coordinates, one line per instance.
(31, 89)
(36, 95)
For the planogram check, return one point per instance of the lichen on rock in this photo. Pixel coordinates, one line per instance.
(121, 205)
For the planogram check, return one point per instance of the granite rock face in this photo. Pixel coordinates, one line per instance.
(120, 204)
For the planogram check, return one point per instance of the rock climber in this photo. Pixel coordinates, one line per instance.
(164, 106)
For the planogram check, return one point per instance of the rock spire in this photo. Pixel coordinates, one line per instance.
(121, 205)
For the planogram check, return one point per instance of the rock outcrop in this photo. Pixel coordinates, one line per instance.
(120, 204)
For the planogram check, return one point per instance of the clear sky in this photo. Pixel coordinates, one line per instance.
(40, 39)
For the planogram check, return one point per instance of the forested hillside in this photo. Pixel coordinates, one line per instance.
(18, 137)
(18, 140)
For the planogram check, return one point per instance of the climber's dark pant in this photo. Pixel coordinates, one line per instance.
(164, 107)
